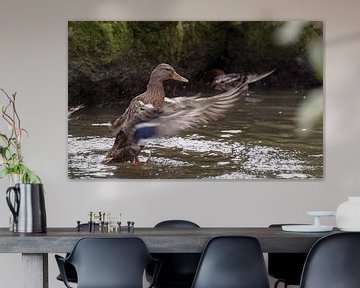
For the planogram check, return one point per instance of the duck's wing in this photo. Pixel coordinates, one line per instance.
(124, 149)
(172, 120)
(183, 113)
(256, 77)
(124, 121)
(139, 114)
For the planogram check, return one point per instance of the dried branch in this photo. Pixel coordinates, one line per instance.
(11, 159)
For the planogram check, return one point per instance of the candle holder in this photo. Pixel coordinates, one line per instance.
(315, 227)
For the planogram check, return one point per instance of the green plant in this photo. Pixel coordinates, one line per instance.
(11, 159)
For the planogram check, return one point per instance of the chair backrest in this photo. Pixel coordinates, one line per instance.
(333, 262)
(176, 224)
(287, 267)
(232, 262)
(110, 262)
(178, 269)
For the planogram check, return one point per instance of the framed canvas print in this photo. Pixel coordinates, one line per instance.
(195, 100)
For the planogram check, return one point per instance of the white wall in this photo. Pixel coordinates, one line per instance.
(33, 62)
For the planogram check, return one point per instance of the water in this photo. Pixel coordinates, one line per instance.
(256, 140)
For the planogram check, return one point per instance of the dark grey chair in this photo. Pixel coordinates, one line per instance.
(178, 269)
(333, 262)
(232, 262)
(286, 267)
(108, 263)
(69, 269)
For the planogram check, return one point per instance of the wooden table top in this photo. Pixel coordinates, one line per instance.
(158, 240)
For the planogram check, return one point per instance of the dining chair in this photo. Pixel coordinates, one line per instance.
(70, 271)
(108, 263)
(333, 262)
(285, 267)
(178, 269)
(232, 262)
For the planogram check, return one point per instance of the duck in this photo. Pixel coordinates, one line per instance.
(151, 115)
(223, 82)
(154, 98)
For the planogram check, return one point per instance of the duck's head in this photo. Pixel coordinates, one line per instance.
(164, 72)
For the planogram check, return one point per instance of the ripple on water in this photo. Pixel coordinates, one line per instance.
(84, 154)
(238, 160)
(253, 141)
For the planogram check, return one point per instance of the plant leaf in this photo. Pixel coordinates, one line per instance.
(4, 173)
(5, 138)
(26, 132)
(33, 178)
(3, 151)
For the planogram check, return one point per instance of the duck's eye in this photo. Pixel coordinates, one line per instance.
(168, 69)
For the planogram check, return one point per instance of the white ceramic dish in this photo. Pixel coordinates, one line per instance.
(306, 228)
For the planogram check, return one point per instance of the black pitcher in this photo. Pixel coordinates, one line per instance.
(28, 208)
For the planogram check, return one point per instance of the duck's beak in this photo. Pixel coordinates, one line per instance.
(177, 77)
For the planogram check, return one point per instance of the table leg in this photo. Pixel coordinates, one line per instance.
(35, 270)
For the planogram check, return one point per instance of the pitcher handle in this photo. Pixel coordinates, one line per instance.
(13, 208)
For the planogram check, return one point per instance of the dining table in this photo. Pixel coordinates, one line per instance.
(35, 247)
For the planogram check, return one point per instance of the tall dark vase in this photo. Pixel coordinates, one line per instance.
(27, 204)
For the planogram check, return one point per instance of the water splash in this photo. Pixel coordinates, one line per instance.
(249, 162)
